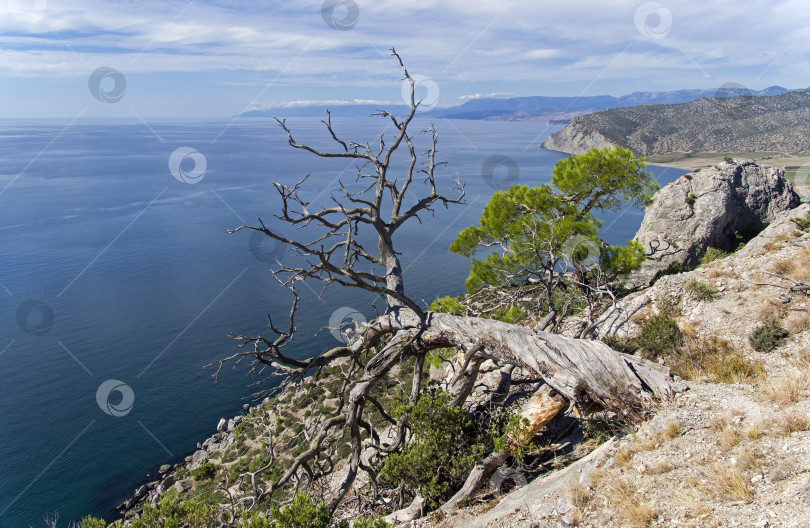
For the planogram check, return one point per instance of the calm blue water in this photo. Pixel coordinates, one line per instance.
(137, 281)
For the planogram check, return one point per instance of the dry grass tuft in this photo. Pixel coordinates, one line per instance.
(715, 360)
(786, 389)
(784, 267)
(645, 444)
(692, 497)
(672, 429)
(729, 483)
(772, 309)
(797, 322)
(579, 495)
(754, 432)
(749, 459)
(631, 509)
(665, 466)
(622, 457)
(714, 273)
(718, 423)
(788, 422)
(728, 437)
(802, 269)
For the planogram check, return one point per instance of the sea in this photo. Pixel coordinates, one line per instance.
(120, 285)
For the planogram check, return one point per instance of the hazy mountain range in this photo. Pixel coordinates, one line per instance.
(535, 108)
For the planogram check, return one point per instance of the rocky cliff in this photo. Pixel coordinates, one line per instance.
(778, 123)
(713, 208)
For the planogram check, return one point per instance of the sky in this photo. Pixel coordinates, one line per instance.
(204, 58)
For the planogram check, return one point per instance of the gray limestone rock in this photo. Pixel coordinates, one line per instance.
(197, 459)
(708, 209)
(183, 485)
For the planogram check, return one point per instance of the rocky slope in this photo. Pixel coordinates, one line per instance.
(714, 208)
(733, 450)
(779, 123)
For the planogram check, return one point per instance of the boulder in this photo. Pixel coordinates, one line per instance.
(197, 459)
(164, 486)
(164, 468)
(710, 208)
(222, 425)
(183, 485)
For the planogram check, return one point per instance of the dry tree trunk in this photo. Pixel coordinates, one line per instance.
(580, 374)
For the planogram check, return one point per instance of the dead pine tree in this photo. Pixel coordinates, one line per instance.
(575, 374)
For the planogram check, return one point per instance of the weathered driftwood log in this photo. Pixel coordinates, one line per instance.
(588, 374)
(579, 374)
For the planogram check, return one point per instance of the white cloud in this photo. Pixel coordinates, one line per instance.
(543, 53)
(471, 48)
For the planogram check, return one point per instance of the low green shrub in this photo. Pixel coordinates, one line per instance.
(599, 429)
(205, 471)
(301, 513)
(713, 254)
(768, 336)
(673, 269)
(438, 355)
(669, 305)
(700, 290)
(728, 159)
(172, 513)
(802, 223)
(659, 336)
(440, 454)
(690, 200)
(92, 522)
(372, 521)
(620, 344)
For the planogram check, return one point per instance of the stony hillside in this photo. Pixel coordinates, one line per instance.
(733, 450)
(778, 123)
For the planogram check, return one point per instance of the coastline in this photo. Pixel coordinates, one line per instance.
(702, 160)
(177, 475)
